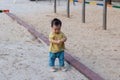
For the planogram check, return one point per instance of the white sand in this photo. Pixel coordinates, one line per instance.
(96, 48)
(23, 57)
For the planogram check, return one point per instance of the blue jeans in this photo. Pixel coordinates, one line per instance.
(53, 56)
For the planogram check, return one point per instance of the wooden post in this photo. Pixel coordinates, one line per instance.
(104, 14)
(83, 11)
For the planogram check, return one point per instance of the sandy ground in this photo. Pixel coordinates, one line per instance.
(23, 57)
(96, 48)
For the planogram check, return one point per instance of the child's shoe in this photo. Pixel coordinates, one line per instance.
(63, 69)
(53, 69)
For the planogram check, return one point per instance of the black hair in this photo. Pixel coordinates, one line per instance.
(56, 22)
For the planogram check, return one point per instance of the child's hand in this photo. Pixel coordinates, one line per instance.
(58, 41)
(63, 40)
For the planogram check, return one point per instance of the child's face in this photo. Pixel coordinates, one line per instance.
(56, 29)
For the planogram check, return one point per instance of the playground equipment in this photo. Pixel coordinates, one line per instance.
(104, 12)
(1, 11)
(104, 4)
(100, 4)
(68, 7)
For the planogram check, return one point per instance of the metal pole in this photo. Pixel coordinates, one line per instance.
(36, 1)
(105, 14)
(68, 8)
(50, 1)
(54, 6)
(83, 11)
(59, 2)
(74, 2)
(109, 1)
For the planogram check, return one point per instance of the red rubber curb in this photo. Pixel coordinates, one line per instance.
(71, 60)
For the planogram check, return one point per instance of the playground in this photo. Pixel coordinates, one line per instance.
(87, 42)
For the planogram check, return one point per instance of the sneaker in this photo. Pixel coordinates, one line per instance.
(53, 69)
(63, 69)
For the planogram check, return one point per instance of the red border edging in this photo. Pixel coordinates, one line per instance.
(72, 61)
